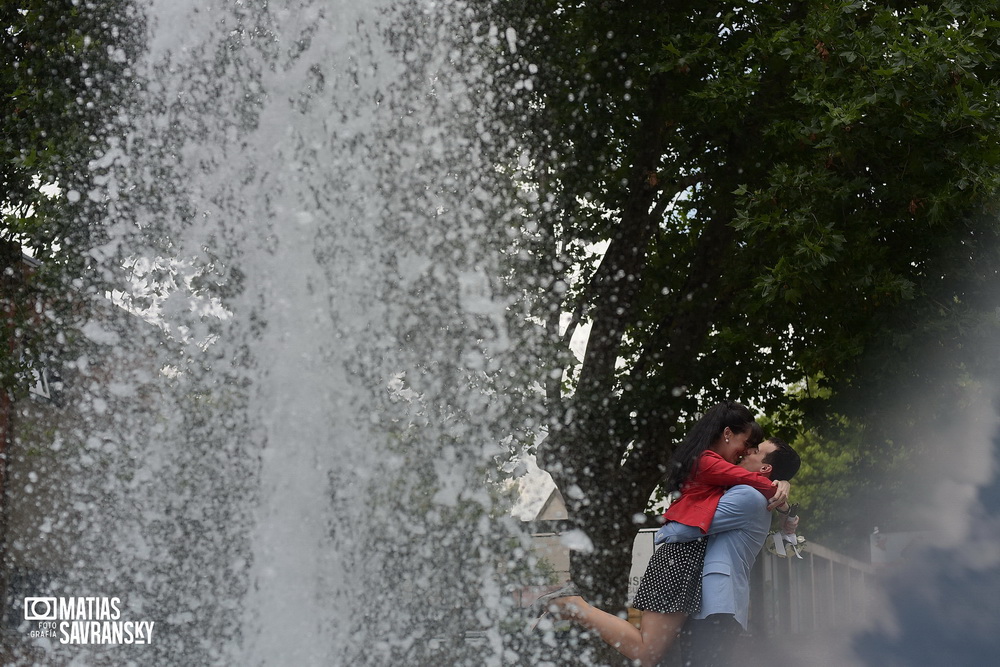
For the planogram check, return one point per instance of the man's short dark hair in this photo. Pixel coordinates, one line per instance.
(784, 460)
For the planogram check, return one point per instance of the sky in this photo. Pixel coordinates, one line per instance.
(942, 607)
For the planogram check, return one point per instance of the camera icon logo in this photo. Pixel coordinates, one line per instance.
(40, 609)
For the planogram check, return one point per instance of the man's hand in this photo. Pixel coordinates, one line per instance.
(781, 495)
(789, 524)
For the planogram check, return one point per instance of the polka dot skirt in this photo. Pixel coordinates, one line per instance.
(672, 581)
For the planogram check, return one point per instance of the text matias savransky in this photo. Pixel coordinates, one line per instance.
(85, 620)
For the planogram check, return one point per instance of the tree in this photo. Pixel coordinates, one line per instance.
(736, 197)
(60, 85)
(61, 82)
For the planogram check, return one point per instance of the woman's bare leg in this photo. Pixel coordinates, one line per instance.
(648, 643)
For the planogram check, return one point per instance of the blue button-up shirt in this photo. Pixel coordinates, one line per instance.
(737, 533)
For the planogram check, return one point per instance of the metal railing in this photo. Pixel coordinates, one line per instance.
(820, 591)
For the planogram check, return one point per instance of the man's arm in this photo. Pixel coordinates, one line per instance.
(734, 512)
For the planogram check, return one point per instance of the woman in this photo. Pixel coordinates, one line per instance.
(701, 468)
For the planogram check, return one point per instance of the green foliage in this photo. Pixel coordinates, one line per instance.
(61, 82)
(783, 189)
(54, 65)
(846, 485)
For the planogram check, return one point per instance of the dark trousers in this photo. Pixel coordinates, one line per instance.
(710, 642)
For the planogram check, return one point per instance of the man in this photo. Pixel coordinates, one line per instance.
(737, 533)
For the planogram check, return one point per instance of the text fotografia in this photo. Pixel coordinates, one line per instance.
(84, 620)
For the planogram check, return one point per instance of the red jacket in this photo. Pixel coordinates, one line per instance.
(710, 478)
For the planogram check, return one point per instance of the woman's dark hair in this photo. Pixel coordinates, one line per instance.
(709, 429)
